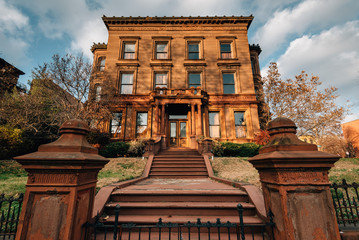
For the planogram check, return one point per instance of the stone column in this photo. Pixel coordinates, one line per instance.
(163, 133)
(294, 177)
(200, 131)
(61, 186)
(193, 120)
(156, 123)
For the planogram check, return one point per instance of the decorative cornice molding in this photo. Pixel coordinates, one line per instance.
(232, 20)
(96, 46)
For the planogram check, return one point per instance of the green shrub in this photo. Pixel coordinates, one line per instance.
(116, 149)
(137, 148)
(95, 136)
(229, 149)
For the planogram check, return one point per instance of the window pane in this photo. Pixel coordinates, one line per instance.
(129, 47)
(183, 131)
(193, 47)
(161, 78)
(173, 129)
(194, 78)
(228, 78)
(127, 78)
(161, 56)
(214, 131)
(193, 55)
(129, 56)
(213, 118)
(161, 47)
(239, 118)
(126, 89)
(98, 93)
(142, 119)
(177, 116)
(228, 89)
(240, 131)
(225, 47)
(116, 122)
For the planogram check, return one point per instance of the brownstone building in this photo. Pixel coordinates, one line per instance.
(9, 76)
(179, 78)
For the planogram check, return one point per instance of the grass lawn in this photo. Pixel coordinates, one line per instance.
(13, 177)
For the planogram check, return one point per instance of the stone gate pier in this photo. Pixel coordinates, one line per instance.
(61, 186)
(294, 178)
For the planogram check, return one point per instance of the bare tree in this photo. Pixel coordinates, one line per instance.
(300, 99)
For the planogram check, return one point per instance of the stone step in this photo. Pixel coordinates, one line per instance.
(175, 195)
(178, 169)
(180, 208)
(178, 173)
(180, 165)
(184, 161)
(177, 157)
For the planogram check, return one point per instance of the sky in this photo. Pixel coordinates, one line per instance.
(318, 36)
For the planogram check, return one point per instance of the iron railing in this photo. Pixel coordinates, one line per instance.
(345, 200)
(10, 209)
(190, 230)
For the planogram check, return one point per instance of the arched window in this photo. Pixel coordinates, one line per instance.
(101, 63)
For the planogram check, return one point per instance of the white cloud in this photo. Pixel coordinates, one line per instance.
(306, 17)
(333, 55)
(13, 30)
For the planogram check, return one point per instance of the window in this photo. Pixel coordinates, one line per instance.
(162, 50)
(193, 50)
(141, 123)
(194, 80)
(129, 50)
(226, 52)
(214, 124)
(183, 129)
(240, 124)
(161, 80)
(101, 64)
(126, 83)
(228, 83)
(98, 93)
(115, 125)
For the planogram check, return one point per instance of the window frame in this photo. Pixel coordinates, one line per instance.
(194, 40)
(240, 125)
(188, 79)
(121, 84)
(219, 123)
(144, 132)
(154, 78)
(124, 50)
(161, 40)
(157, 52)
(128, 39)
(234, 82)
(101, 61)
(227, 40)
(98, 92)
(113, 134)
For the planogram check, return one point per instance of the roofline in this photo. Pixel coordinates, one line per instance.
(18, 71)
(178, 20)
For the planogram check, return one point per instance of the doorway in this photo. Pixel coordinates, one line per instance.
(178, 133)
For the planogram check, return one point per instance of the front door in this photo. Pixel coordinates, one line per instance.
(178, 133)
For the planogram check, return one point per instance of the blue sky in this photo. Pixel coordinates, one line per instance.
(318, 36)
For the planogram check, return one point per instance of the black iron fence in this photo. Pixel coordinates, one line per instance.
(345, 199)
(10, 208)
(190, 230)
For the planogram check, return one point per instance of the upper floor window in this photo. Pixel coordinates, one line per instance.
(126, 83)
(129, 50)
(161, 80)
(194, 80)
(161, 50)
(193, 50)
(240, 124)
(141, 123)
(98, 89)
(214, 126)
(226, 51)
(101, 64)
(228, 83)
(116, 122)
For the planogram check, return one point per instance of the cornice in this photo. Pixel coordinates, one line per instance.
(228, 20)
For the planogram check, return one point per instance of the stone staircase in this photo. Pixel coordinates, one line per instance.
(178, 163)
(177, 191)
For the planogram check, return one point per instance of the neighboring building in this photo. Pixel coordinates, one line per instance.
(351, 134)
(9, 75)
(181, 78)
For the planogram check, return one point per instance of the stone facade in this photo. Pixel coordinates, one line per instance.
(351, 134)
(180, 78)
(9, 76)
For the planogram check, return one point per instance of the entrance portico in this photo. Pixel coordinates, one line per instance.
(178, 115)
